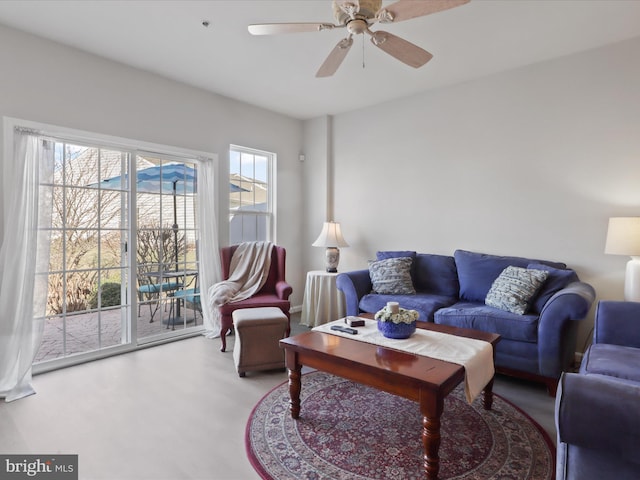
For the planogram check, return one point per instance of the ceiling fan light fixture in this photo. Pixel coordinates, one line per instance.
(385, 16)
(357, 26)
(345, 10)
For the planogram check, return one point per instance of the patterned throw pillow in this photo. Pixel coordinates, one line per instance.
(514, 288)
(392, 276)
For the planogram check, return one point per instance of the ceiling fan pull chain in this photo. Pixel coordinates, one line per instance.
(362, 51)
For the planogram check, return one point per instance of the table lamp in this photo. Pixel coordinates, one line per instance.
(623, 238)
(331, 238)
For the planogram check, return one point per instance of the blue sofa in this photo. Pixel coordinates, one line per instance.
(598, 409)
(451, 290)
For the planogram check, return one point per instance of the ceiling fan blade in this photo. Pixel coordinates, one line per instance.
(335, 58)
(401, 49)
(276, 28)
(407, 9)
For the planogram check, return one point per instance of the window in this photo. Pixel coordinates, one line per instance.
(251, 201)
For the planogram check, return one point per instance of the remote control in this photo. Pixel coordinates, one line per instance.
(352, 331)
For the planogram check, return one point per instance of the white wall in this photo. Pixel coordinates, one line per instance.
(316, 183)
(46, 82)
(530, 162)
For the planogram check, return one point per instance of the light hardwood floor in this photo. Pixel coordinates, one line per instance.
(177, 411)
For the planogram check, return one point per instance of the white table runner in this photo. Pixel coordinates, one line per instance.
(476, 356)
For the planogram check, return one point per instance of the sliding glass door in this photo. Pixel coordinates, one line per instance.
(88, 275)
(123, 266)
(166, 254)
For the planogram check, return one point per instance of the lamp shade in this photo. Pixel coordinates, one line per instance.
(623, 236)
(330, 236)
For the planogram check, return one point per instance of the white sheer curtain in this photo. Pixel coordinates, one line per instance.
(25, 252)
(209, 250)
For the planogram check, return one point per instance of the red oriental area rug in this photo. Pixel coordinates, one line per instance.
(350, 431)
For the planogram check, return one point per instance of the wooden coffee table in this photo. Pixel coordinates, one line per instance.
(422, 379)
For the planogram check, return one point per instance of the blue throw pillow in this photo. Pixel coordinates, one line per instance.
(557, 280)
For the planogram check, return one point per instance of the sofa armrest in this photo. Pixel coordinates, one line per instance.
(617, 323)
(354, 285)
(283, 290)
(599, 413)
(556, 335)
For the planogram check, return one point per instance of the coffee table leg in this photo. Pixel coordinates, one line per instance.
(431, 409)
(487, 395)
(295, 384)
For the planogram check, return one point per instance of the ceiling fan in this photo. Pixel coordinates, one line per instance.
(357, 16)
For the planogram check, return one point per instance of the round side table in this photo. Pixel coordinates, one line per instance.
(322, 301)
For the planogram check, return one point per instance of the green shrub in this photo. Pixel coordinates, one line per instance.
(110, 296)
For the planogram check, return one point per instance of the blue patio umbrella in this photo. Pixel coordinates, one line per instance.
(171, 177)
(175, 178)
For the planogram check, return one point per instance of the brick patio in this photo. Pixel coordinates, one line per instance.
(83, 334)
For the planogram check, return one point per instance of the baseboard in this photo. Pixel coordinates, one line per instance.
(296, 309)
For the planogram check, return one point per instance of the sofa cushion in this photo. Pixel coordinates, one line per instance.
(557, 280)
(477, 271)
(425, 304)
(392, 276)
(383, 255)
(613, 361)
(478, 316)
(435, 274)
(514, 288)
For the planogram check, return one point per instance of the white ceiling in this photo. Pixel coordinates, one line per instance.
(278, 72)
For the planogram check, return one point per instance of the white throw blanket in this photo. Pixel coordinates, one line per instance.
(476, 356)
(248, 273)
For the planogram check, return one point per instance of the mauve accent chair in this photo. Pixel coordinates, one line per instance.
(274, 293)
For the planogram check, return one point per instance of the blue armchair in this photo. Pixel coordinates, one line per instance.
(598, 409)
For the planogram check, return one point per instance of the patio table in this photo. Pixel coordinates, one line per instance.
(161, 275)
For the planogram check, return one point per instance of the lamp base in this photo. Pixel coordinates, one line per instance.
(632, 280)
(332, 258)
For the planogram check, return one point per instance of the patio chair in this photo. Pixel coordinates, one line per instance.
(149, 291)
(190, 298)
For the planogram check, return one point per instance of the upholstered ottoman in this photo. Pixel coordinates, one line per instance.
(258, 331)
